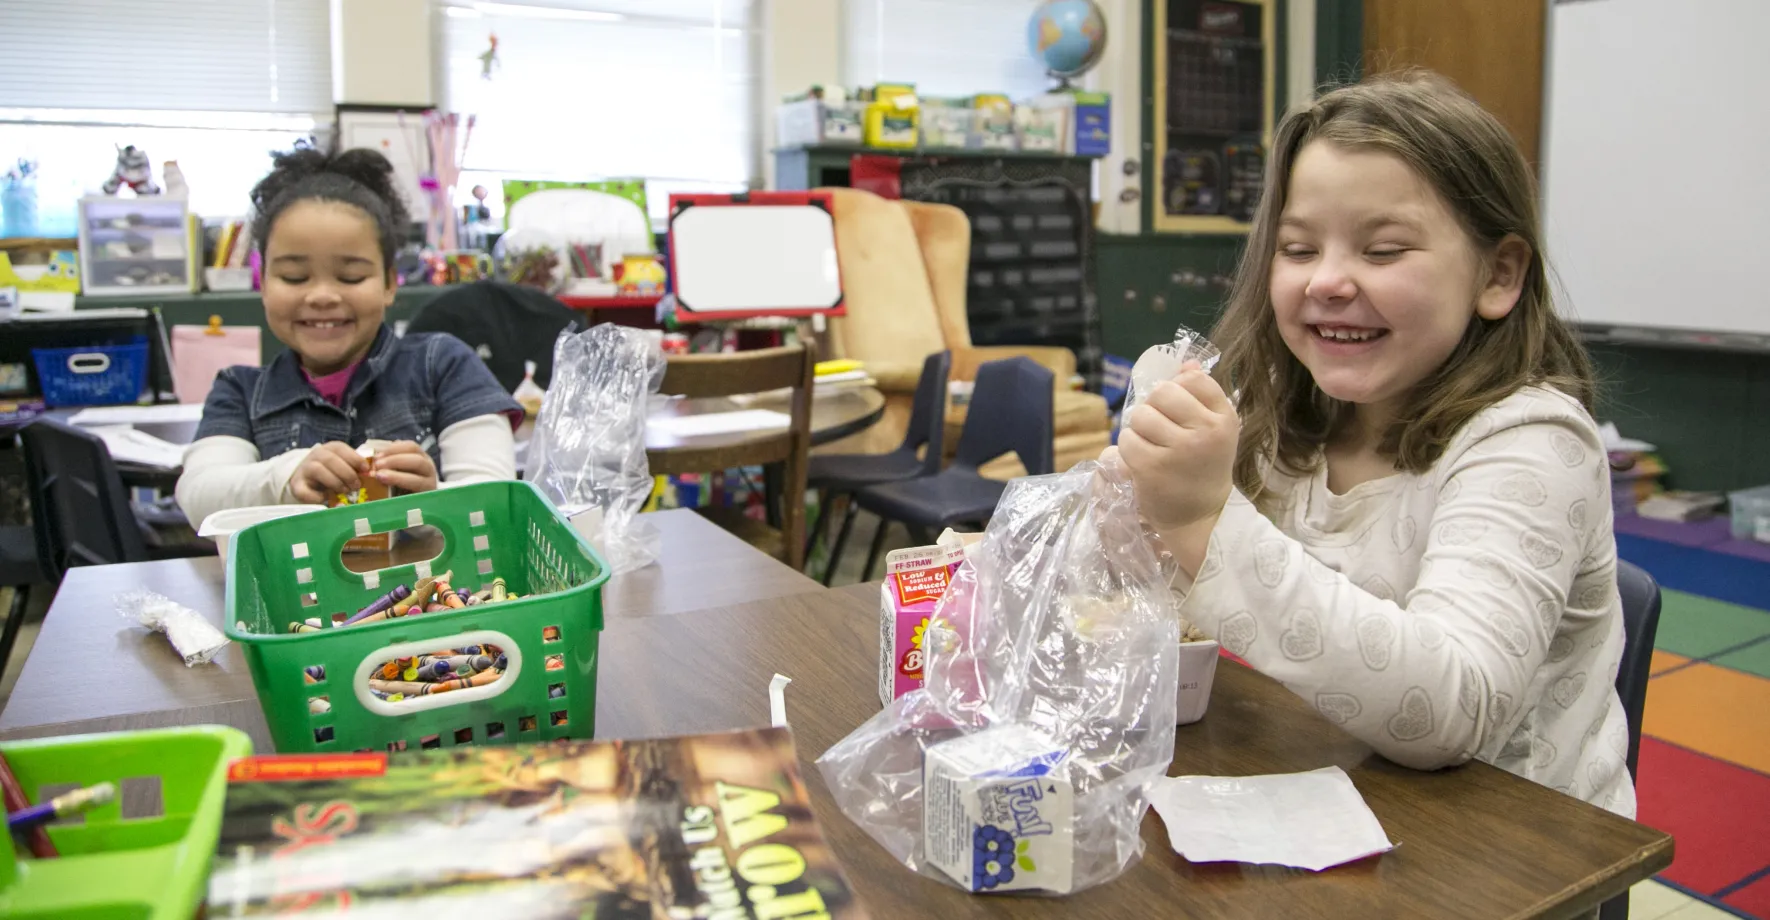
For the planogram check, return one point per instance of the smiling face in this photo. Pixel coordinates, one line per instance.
(1374, 280)
(326, 287)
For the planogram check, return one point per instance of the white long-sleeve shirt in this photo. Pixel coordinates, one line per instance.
(1470, 611)
(224, 472)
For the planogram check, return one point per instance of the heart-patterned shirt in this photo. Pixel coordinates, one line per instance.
(1470, 611)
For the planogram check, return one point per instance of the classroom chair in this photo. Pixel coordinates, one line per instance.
(24, 549)
(839, 476)
(1010, 412)
(764, 370)
(1640, 606)
(77, 491)
(506, 324)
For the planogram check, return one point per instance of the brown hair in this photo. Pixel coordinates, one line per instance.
(1467, 156)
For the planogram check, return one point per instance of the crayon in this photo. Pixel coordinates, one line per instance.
(482, 596)
(433, 608)
(318, 705)
(381, 603)
(61, 806)
(451, 601)
(315, 673)
(463, 594)
(462, 683)
(36, 838)
(419, 596)
(497, 589)
(303, 628)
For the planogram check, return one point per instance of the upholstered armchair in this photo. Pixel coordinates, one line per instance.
(904, 267)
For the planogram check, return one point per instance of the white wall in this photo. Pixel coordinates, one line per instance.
(381, 52)
(801, 46)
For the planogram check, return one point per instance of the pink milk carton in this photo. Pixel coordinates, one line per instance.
(915, 581)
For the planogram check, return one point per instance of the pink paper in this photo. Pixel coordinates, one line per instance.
(198, 355)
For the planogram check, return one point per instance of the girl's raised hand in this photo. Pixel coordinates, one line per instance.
(405, 465)
(330, 470)
(1179, 447)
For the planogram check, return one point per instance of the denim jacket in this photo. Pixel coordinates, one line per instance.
(406, 389)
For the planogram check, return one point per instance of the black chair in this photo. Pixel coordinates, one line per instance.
(83, 503)
(24, 549)
(1640, 606)
(1010, 411)
(839, 476)
(506, 324)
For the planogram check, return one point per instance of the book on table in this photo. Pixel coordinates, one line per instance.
(702, 826)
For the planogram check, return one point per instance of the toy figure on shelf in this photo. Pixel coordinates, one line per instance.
(174, 179)
(133, 169)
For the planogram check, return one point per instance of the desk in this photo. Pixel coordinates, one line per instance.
(91, 670)
(1476, 842)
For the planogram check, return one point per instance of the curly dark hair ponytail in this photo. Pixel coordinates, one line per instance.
(362, 178)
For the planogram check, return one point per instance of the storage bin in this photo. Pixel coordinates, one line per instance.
(97, 375)
(149, 867)
(1751, 513)
(290, 569)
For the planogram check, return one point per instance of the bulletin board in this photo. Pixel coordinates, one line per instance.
(1215, 98)
(398, 134)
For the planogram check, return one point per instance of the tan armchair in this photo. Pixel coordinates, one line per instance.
(904, 267)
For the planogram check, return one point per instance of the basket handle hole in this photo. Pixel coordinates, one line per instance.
(556, 718)
(141, 797)
(398, 680)
(319, 705)
(430, 742)
(386, 549)
(555, 691)
(395, 747)
(463, 736)
(310, 599)
(314, 674)
(549, 634)
(322, 735)
(555, 662)
(494, 731)
(526, 723)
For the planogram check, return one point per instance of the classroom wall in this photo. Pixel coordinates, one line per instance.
(381, 52)
(801, 47)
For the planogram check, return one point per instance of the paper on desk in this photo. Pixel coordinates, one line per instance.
(684, 426)
(1308, 820)
(139, 415)
(131, 446)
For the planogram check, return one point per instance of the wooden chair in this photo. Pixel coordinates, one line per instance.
(761, 371)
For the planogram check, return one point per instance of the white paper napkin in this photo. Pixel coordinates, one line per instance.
(1308, 820)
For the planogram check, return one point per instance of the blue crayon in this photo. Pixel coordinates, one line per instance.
(384, 602)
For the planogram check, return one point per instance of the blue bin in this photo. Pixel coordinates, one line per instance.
(97, 375)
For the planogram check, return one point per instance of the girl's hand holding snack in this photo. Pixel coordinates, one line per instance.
(331, 469)
(1179, 447)
(404, 465)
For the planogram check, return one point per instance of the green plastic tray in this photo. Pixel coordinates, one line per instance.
(290, 569)
(112, 867)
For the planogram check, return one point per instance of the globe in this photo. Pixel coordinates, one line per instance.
(1067, 36)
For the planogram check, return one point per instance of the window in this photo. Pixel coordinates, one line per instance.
(214, 84)
(944, 47)
(664, 90)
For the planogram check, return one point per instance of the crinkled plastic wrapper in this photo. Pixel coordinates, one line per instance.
(588, 449)
(1059, 626)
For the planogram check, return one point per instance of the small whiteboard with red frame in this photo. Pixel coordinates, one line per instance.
(754, 254)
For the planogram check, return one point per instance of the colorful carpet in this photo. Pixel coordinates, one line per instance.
(1705, 752)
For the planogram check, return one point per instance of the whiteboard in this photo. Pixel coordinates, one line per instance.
(1656, 163)
(755, 259)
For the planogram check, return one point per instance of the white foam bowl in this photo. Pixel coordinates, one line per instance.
(222, 525)
(1198, 669)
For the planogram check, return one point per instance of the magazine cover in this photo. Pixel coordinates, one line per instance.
(704, 827)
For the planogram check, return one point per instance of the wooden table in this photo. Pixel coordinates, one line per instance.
(834, 416)
(1474, 841)
(91, 670)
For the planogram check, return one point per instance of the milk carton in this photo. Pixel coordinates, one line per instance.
(915, 581)
(997, 813)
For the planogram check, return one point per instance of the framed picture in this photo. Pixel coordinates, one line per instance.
(398, 133)
(1215, 86)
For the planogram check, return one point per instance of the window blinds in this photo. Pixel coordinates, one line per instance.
(249, 56)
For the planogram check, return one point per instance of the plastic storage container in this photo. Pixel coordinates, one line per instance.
(97, 375)
(290, 569)
(1751, 513)
(153, 867)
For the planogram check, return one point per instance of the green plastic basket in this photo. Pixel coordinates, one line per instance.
(290, 569)
(114, 867)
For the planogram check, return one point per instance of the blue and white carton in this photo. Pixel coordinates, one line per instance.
(998, 814)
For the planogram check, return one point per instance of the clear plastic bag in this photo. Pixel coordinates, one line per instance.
(588, 452)
(1054, 655)
(1163, 362)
